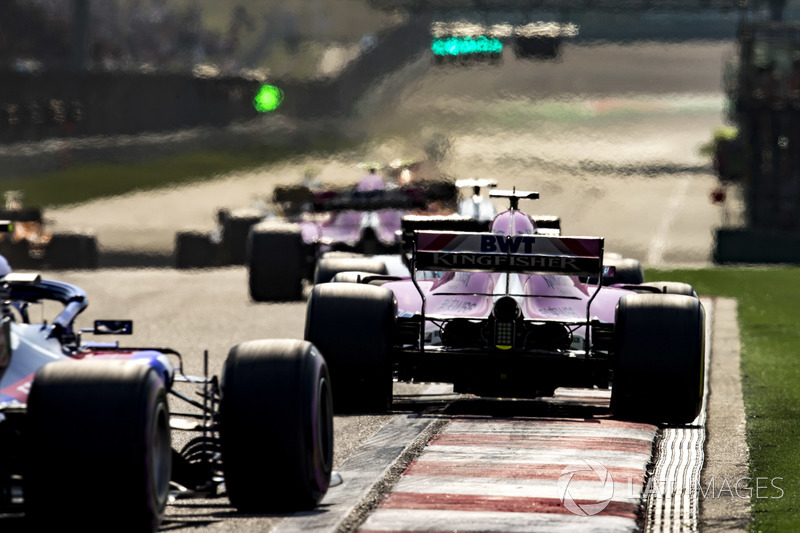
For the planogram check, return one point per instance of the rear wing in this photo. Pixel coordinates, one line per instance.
(490, 252)
(301, 198)
(479, 183)
(402, 198)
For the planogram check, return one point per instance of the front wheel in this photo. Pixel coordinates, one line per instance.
(91, 423)
(276, 426)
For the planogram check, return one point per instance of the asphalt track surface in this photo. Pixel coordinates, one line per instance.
(617, 162)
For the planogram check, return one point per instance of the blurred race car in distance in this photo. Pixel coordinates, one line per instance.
(227, 243)
(30, 245)
(511, 312)
(477, 206)
(85, 428)
(328, 231)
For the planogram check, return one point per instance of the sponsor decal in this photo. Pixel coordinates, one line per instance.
(501, 243)
(452, 305)
(466, 260)
(561, 312)
(554, 282)
(19, 390)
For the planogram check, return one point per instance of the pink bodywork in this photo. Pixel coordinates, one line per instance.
(472, 295)
(540, 296)
(346, 226)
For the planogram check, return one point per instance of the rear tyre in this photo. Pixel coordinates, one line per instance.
(354, 325)
(276, 426)
(235, 228)
(360, 277)
(627, 272)
(659, 358)
(276, 262)
(107, 420)
(68, 251)
(194, 250)
(328, 267)
(18, 254)
(672, 287)
(548, 222)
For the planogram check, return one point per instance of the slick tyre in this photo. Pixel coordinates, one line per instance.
(672, 287)
(68, 251)
(359, 277)
(89, 423)
(548, 222)
(659, 358)
(354, 325)
(194, 250)
(627, 271)
(276, 426)
(235, 229)
(276, 262)
(328, 267)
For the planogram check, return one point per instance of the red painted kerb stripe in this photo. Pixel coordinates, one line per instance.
(515, 471)
(500, 504)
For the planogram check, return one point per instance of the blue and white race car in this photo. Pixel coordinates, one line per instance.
(85, 427)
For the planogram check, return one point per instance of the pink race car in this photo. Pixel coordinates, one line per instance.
(511, 312)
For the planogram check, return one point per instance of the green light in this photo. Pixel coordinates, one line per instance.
(455, 46)
(268, 99)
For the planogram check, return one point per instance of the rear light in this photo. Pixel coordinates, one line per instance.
(506, 311)
(504, 334)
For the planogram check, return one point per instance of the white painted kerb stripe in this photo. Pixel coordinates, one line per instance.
(520, 488)
(578, 430)
(429, 520)
(497, 455)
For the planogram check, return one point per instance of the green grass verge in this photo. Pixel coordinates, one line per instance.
(87, 182)
(769, 300)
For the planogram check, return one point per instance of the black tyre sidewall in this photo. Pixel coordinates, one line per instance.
(354, 326)
(659, 358)
(67, 251)
(628, 271)
(235, 231)
(328, 267)
(276, 264)
(89, 423)
(672, 287)
(276, 425)
(194, 250)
